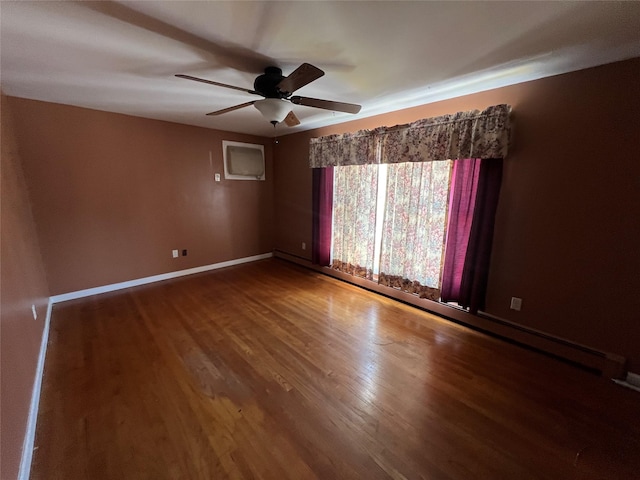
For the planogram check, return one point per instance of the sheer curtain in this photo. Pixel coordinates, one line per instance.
(413, 232)
(354, 219)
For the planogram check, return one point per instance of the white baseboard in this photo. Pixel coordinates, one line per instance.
(631, 381)
(155, 278)
(30, 435)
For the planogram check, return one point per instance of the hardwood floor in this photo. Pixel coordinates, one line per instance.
(270, 371)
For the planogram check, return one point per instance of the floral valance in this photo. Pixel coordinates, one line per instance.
(357, 148)
(473, 134)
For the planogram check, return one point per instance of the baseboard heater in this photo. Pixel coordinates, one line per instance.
(606, 364)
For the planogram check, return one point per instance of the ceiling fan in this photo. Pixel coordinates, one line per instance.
(277, 91)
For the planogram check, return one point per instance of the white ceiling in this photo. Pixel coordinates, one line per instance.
(122, 56)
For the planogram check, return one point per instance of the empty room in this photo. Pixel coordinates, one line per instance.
(320, 240)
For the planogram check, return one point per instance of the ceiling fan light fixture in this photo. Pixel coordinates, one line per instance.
(273, 109)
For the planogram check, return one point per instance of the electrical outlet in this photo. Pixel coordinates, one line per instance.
(516, 303)
(174, 253)
(217, 177)
(33, 310)
(304, 246)
(184, 252)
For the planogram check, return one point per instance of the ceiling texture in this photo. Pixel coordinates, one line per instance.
(123, 56)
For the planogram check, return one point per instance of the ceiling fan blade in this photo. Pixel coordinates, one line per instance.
(230, 109)
(217, 84)
(326, 104)
(291, 120)
(301, 76)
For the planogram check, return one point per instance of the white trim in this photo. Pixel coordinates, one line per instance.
(633, 379)
(155, 278)
(30, 435)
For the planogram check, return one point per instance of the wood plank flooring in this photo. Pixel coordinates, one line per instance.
(270, 371)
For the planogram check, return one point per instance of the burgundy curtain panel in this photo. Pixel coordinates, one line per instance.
(462, 198)
(475, 273)
(322, 204)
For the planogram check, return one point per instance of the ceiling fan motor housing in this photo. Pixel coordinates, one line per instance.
(267, 83)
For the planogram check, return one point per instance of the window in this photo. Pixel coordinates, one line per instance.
(422, 227)
(414, 224)
(389, 223)
(355, 191)
(428, 221)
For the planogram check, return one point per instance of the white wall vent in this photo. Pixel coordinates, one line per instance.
(243, 161)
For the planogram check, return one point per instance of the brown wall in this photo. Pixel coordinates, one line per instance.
(568, 222)
(114, 194)
(22, 284)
